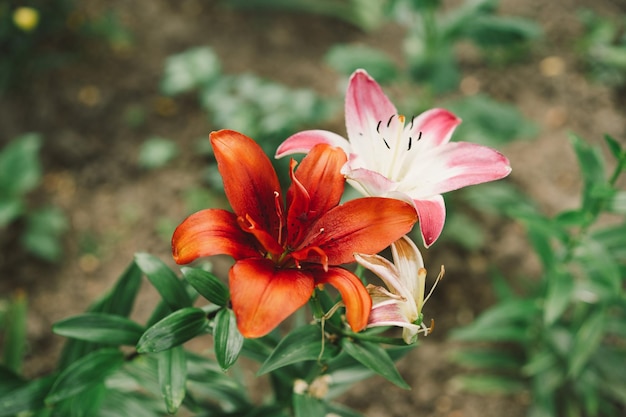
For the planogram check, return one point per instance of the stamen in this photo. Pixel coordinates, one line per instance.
(378, 126)
(386, 144)
(410, 140)
(420, 136)
(439, 278)
(390, 119)
(412, 118)
(279, 212)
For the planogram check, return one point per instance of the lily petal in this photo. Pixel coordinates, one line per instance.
(303, 142)
(317, 186)
(408, 260)
(263, 295)
(453, 166)
(364, 225)
(353, 293)
(434, 127)
(367, 108)
(250, 181)
(211, 232)
(432, 216)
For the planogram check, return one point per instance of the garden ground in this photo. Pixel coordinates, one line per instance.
(90, 157)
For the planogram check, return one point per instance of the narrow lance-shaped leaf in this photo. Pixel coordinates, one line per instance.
(301, 344)
(119, 300)
(173, 330)
(164, 280)
(15, 332)
(173, 377)
(228, 339)
(85, 373)
(375, 358)
(102, 328)
(207, 285)
(559, 293)
(28, 397)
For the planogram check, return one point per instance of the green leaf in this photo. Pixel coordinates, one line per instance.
(207, 285)
(164, 280)
(86, 404)
(375, 358)
(191, 69)
(20, 170)
(485, 358)
(121, 297)
(560, 290)
(173, 377)
(592, 168)
(490, 384)
(173, 330)
(44, 228)
(84, 374)
(586, 342)
(28, 397)
(305, 405)
(156, 152)
(497, 31)
(301, 344)
(119, 300)
(102, 328)
(345, 59)
(15, 332)
(10, 210)
(617, 203)
(489, 122)
(228, 340)
(614, 146)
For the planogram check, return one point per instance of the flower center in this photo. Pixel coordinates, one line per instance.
(398, 141)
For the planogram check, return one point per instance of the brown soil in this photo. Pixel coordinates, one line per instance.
(90, 156)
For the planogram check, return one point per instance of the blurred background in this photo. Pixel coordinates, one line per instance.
(105, 110)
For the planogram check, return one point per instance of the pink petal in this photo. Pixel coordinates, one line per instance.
(453, 166)
(432, 216)
(368, 182)
(303, 142)
(366, 104)
(433, 127)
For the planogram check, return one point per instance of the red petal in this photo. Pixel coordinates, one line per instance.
(263, 296)
(365, 225)
(317, 186)
(356, 298)
(250, 181)
(211, 232)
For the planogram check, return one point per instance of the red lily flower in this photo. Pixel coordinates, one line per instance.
(282, 251)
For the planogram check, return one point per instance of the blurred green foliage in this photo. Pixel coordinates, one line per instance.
(156, 152)
(20, 174)
(603, 47)
(364, 14)
(563, 338)
(266, 111)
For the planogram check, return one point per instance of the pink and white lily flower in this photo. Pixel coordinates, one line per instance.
(408, 159)
(401, 303)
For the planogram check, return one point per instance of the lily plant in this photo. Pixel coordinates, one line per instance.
(400, 304)
(411, 159)
(283, 251)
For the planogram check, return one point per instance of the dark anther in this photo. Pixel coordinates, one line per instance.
(420, 136)
(378, 126)
(386, 144)
(410, 140)
(390, 119)
(412, 118)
